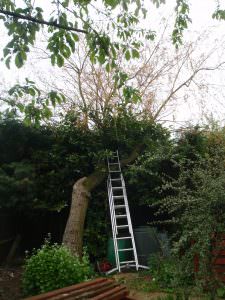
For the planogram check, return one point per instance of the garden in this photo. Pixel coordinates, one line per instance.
(90, 87)
(176, 185)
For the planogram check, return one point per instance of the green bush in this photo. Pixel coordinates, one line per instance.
(163, 271)
(52, 267)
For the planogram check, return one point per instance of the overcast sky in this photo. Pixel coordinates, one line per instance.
(201, 12)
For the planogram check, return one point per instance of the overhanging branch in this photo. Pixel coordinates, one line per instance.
(42, 22)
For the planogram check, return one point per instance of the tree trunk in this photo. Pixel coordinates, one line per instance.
(73, 234)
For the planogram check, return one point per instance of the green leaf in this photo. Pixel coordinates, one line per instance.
(101, 58)
(19, 60)
(112, 3)
(127, 55)
(66, 52)
(53, 59)
(93, 57)
(107, 67)
(135, 53)
(75, 37)
(60, 60)
(7, 62)
(70, 41)
(21, 107)
(6, 51)
(31, 91)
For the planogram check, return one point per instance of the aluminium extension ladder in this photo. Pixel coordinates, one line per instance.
(120, 216)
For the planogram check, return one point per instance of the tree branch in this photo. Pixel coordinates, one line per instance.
(186, 83)
(101, 172)
(42, 22)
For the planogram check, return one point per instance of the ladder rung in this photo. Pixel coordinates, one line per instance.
(119, 206)
(115, 179)
(127, 261)
(122, 226)
(113, 164)
(124, 238)
(126, 249)
(119, 197)
(120, 216)
(117, 188)
(114, 171)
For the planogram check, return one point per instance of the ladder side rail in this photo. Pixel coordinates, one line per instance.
(129, 221)
(111, 206)
(113, 222)
(110, 194)
(126, 203)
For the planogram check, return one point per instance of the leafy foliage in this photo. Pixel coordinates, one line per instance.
(27, 102)
(181, 23)
(194, 204)
(98, 225)
(52, 267)
(71, 19)
(23, 23)
(40, 174)
(163, 271)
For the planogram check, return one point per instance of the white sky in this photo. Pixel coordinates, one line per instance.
(201, 12)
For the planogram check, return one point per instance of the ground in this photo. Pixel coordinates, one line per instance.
(10, 283)
(137, 283)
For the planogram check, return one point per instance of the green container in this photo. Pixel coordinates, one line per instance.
(125, 255)
(150, 241)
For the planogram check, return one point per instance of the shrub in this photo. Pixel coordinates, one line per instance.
(163, 271)
(52, 267)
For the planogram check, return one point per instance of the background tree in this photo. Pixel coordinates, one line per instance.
(191, 205)
(164, 80)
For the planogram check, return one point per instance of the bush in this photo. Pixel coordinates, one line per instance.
(52, 267)
(163, 271)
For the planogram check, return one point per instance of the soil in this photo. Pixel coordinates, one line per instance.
(129, 278)
(10, 283)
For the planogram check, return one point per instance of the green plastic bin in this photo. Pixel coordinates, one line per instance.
(121, 245)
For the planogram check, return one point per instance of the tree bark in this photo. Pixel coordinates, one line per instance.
(73, 234)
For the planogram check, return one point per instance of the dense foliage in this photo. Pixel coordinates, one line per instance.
(42, 170)
(50, 159)
(39, 176)
(194, 204)
(163, 271)
(52, 267)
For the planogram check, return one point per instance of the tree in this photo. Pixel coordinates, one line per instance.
(39, 176)
(69, 19)
(131, 136)
(193, 203)
(163, 79)
(101, 105)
